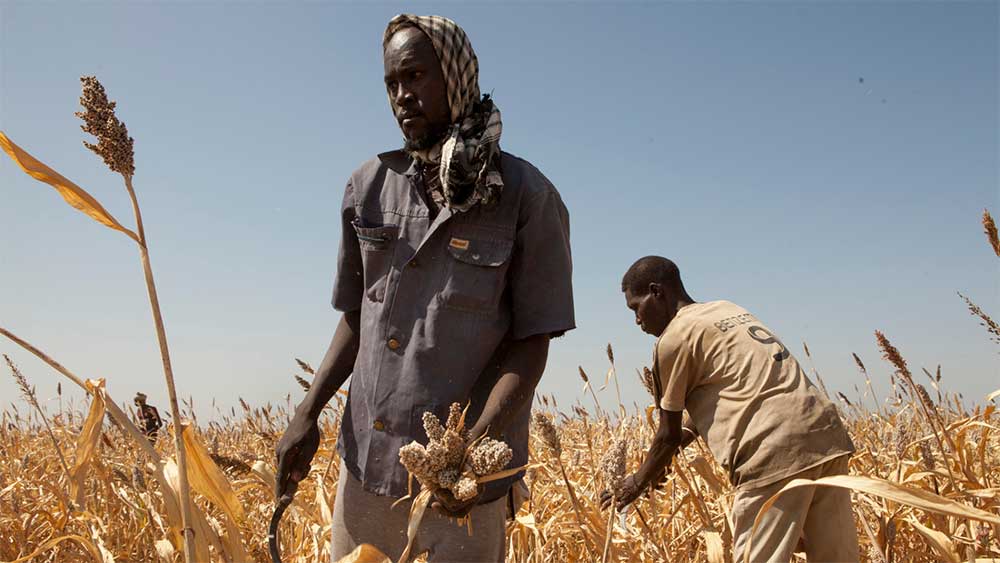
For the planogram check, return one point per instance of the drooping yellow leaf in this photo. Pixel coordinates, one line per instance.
(365, 553)
(264, 473)
(207, 479)
(73, 194)
(86, 543)
(939, 542)
(993, 395)
(704, 469)
(203, 533)
(324, 505)
(413, 523)
(86, 442)
(918, 498)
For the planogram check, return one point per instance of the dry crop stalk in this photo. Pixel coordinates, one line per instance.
(115, 147)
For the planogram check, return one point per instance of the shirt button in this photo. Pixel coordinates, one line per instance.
(393, 344)
(378, 425)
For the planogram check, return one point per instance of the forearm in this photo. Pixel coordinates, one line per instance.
(667, 441)
(521, 370)
(336, 367)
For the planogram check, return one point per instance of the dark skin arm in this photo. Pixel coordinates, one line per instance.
(521, 367)
(300, 441)
(669, 439)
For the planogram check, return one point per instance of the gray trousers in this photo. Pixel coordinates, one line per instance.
(363, 517)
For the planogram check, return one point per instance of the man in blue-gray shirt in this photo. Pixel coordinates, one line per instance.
(453, 274)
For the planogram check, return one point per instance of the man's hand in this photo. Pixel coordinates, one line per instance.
(446, 503)
(295, 451)
(625, 491)
(658, 482)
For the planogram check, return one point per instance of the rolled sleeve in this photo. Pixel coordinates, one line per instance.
(541, 278)
(348, 282)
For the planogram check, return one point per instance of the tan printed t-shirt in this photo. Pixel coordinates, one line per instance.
(745, 393)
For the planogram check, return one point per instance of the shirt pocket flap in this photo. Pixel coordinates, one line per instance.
(481, 251)
(375, 237)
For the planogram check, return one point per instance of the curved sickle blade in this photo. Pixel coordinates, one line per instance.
(272, 532)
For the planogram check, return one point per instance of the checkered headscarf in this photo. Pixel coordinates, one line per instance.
(469, 156)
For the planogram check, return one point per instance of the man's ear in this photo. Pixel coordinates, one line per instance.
(655, 290)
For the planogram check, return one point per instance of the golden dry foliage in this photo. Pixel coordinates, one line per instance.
(126, 515)
(73, 194)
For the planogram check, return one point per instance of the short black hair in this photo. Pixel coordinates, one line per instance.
(652, 269)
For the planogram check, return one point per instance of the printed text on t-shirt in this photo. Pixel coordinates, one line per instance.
(734, 321)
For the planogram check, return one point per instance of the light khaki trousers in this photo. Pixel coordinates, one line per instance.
(363, 517)
(821, 517)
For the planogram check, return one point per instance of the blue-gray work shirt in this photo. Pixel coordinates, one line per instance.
(440, 302)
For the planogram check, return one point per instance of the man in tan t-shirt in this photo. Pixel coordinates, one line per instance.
(762, 418)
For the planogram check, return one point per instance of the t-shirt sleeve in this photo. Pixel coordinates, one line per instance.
(349, 281)
(541, 273)
(677, 372)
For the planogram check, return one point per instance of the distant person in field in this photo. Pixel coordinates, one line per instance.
(762, 418)
(454, 272)
(149, 418)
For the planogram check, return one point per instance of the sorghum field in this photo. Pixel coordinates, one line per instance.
(78, 485)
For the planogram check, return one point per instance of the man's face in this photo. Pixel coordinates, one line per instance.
(651, 310)
(416, 88)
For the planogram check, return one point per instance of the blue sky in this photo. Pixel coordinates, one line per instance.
(735, 138)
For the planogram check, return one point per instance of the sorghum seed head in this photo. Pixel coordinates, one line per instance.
(114, 145)
(613, 461)
(448, 478)
(548, 432)
(454, 416)
(414, 458)
(454, 447)
(465, 489)
(432, 426)
(490, 456)
(927, 456)
(437, 455)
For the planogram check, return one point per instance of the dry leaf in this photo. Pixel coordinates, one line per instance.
(264, 472)
(939, 542)
(206, 477)
(165, 550)
(714, 549)
(203, 533)
(86, 442)
(413, 524)
(73, 194)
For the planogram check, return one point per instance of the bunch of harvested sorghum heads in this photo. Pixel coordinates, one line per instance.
(448, 461)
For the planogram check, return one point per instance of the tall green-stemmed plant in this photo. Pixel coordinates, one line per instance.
(115, 147)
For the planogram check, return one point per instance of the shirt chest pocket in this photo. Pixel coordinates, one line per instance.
(377, 247)
(477, 270)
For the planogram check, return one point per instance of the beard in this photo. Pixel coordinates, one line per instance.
(427, 140)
